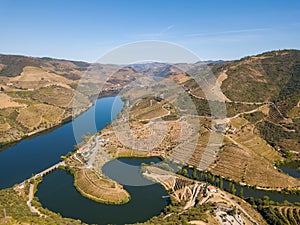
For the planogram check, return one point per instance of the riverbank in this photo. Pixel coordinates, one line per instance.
(105, 146)
(90, 181)
(41, 131)
(14, 202)
(57, 193)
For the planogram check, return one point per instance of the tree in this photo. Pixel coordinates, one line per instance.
(86, 137)
(209, 176)
(213, 179)
(76, 148)
(195, 173)
(205, 176)
(232, 188)
(201, 175)
(179, 169)
(221, 183)
(1, 89)
(266, 200)
(185, 172)
(218, 181)
(251, 201)
(242, 192)
(234, 211)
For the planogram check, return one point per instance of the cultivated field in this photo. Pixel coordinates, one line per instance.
(55, 95)
(99, 188)
(234, 163)
(283, 214)
(7, 102)
(35, 77)
(148, 109)
(38, 115)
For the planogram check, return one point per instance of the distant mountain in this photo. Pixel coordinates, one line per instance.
(37, 93)
(156, 69)
(210, 62)
(271, 77)
(13, 65)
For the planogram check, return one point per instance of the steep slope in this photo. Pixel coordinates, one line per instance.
(274, 78)
(37, 93)
(262, 78)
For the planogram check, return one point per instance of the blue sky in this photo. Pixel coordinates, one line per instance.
(85, 30)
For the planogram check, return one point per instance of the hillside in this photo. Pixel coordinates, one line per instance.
(262, 122)
(37, 93)
(263, 118)
(272, 77)
(263, 78)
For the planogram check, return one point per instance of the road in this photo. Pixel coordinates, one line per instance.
(30, 197)
(239, 207)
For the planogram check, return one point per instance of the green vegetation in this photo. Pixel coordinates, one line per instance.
(290, 94)
(254, 117)
(17, 211)
(269, 77)
(174, 215)
(263, 77)
(203, 107)
(277, 213)
(274, 134)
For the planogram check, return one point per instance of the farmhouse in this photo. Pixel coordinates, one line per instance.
(211, 189)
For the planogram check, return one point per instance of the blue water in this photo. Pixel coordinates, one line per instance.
(33, 155)
(292, 169)
(249, 192)
(58, 194)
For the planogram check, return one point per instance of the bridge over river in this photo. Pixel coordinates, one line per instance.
(31, 186)
(46, 171)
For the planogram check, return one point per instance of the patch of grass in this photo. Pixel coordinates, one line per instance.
(238, 122)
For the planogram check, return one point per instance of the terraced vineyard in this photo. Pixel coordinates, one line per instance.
(40, 115)
(246, 157)
(98, 188)
(282, 215)
(148, 109)
(231, 163)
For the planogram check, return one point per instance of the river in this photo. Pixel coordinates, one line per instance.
(292, 168)
(248, 191)
(58, 194)
(33, 155)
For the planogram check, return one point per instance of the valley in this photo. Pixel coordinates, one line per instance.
(259, 132)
